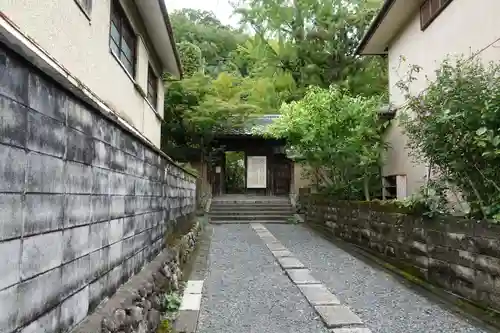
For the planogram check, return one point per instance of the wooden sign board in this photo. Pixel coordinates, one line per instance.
(256, 172)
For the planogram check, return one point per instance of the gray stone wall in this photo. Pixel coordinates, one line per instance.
(461, 256)
(83, 203)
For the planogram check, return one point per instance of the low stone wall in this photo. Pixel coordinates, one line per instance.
(137, 305)
(461, 256)
(84, 203)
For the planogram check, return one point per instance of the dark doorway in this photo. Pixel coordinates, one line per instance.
(281, 175)
(234, 172)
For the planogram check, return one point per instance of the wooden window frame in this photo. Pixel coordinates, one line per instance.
(85, 6)
(127, 38)
(152, 87)
(389, 187)
(433, 11)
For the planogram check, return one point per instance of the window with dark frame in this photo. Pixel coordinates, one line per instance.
(85, 6)
(390, 187)
(430, 9)
(152, 87)
(122, 39)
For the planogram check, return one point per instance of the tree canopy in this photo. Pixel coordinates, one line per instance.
(282, 58)
(338, 135)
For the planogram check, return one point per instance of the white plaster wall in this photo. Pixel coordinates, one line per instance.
(464, 27)
(152, 125)
(82, 47)
(299, 180)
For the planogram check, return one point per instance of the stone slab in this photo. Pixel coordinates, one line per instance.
(282, 253)
(258, 226)
(351, 330)
(337, 315)
(275, 246)
(318, 294)
(194, 287)
(191, 302)
(290, 262)
(301, 276)
(265, 235)
(187, 321)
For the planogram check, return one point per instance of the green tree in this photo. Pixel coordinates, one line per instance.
(191, 58)
(215, 40)
(197, 108)
(338, 135)
(315, 40)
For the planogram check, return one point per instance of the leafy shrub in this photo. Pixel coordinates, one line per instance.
(430, 201)
(171, 302)
(455, 125)
(338, 136)
(165, 326)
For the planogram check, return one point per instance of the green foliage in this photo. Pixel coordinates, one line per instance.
(171, 302)
(338, 135)
(165, 326)
(429, 201)
(199, 107)
(192, 61)
(216, 41)
(455, 126)
(230, 75)
(314, 41)
(235, 172)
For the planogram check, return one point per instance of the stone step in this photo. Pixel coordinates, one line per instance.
(249, 221)
(250, 206)
(243, 202)
(252, 212)
(249, 217)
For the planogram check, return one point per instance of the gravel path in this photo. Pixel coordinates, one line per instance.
(245, 290)
(384, 304)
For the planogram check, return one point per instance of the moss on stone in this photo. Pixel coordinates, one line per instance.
(165, 327)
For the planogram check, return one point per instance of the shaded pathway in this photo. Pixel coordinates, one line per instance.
(247, 291)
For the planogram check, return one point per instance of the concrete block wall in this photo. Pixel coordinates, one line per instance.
(83, 203)
(459, 255)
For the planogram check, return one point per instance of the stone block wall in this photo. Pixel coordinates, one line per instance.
(461, 256)
(84, 204)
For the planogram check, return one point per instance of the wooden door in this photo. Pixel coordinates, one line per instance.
(281, 177)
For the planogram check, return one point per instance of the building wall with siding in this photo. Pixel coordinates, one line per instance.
(84, 204)
(81, 45)
(463, 28)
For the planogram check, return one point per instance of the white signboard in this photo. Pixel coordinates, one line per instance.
(256, 172)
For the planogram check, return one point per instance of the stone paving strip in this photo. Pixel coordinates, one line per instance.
(187, 321)
(334, 315)
(245, 291)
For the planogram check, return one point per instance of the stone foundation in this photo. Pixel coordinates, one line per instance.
(137, 305)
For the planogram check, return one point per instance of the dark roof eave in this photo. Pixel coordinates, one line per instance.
(171, 35)
(374, 26)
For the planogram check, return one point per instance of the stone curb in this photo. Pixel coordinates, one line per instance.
(187, 320)
(334, 315)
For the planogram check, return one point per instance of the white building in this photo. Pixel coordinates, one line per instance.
(116, 51)
(424, 33)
